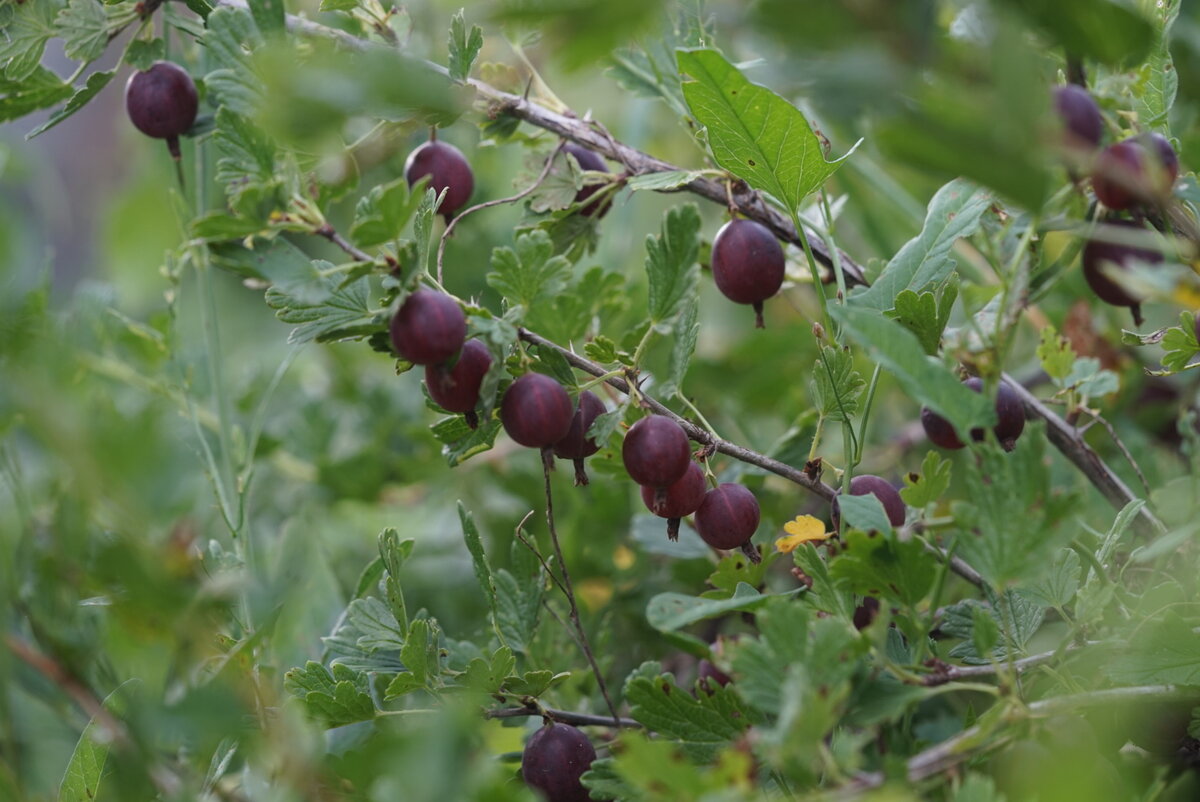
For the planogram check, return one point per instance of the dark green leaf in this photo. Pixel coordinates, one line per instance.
(95, 82)
(671, 263)
(878, 565)
(335, 698)
(1103, 30)
(26, 34)
(836, 385)
(530, 273)
(39, 90)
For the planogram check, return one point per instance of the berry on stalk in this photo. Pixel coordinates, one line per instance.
(1162, 162)
(576, 446)
(1080, 116)
(656, 452)
(1119, 180)
(1100, 256)
(536, 412)
(428, 328)
(748, 264)
(881, 489)
(592, 162)
(553, 761)
(679, 500)
(728, 518)
(456, 387)
(447, 169)
(162, 102)
(1010, 417)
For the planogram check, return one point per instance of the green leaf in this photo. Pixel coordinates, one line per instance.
(247, 167)
(601, 349)
(926, 315)
(827, 593)
(268, 15)
(671, 263)
(295, 279)
(142, 53)
(530, 273)
(1157, 79)
(656, 769)
(864, 512)
(85, 771)
(701, 724)
(664, 181)
(463, 47)
(39, 90)
(879, 565)
(954, 212)
(1001, 545)
(95, 82)
(836, 386)
(343, 313)
(479, 559)
(668, 612)
(649, 532)
(1164, 651)
(1109, 32)
(978, 788)
(220, 227)
(1017, 620)
(489, 676)
(460, 442)
(1058, 586)
(753, 132)
(393, 553)
(735, 570)
(927, 382)
(31, 26)
(1180, 345)
(518, 603)
(383, 212)
(534, 683)
(1055, 354)
(83, 26)
(231, 36)
(334, 698)
(921, 490)
(985, 632)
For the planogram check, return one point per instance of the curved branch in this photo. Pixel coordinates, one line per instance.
(748, 203)
(561, 716)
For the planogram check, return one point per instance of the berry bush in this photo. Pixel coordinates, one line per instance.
(503, 495)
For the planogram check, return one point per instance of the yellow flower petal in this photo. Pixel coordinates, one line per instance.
(803, 529)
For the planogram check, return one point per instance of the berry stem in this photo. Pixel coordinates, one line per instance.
(581, 477)
(569, 590)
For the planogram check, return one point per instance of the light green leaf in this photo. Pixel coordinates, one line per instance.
(1058, 586)
(142, 53)
(85, 771)
(954, 212)
(95, 82)
(671, 262)
(863, 512)
(1164, 651)
(31, 26)
(664, 181)
(489, 676)
(1017, 619)
(668, 612)
(925, 488)
(926, 315)
(685, 333)
(885, 566)
(39, 90)
(343, 313)
(530, 273)
(383, 212)
(464, 47)
(334, 698)
(460, 442)
(836, 385)
(1055, 353)
(1157, 79)
(753, 132)
(926, 381)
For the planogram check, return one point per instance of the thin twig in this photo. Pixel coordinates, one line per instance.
(749, 204)
(1098, 418)
(561, 716)
(948, 673)
(496, 202)
(570, 591)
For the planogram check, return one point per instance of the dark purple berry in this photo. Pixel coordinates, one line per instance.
(576, 446)
(447, 169)
(429, 327)
(881, 489)
(728, 516)
(536, 411)
(707, 673)
(747, 264)
(162, 102)
(1099, 256)
(555, 758)
(1010, 417)
(679, 500)
(590, 161)
(1162, 162)
(1080, 116)
(865, 613)
(1119, 180)
(656, 452)
(456, 387)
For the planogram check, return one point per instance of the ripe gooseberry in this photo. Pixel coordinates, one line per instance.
(593, 162)
(447, 169)
(706, 673)
(748, 264)
(680, 499)
(162, 102)
(456, 387)
(728, 517)
(1100, 256)
(576, 446)
(656, 452)
(553, 761)
(1119, 179)
(1080, 116)
(881, 489)
(1010, 420)
(536, 412)
(1162, 162)
(428, 328)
